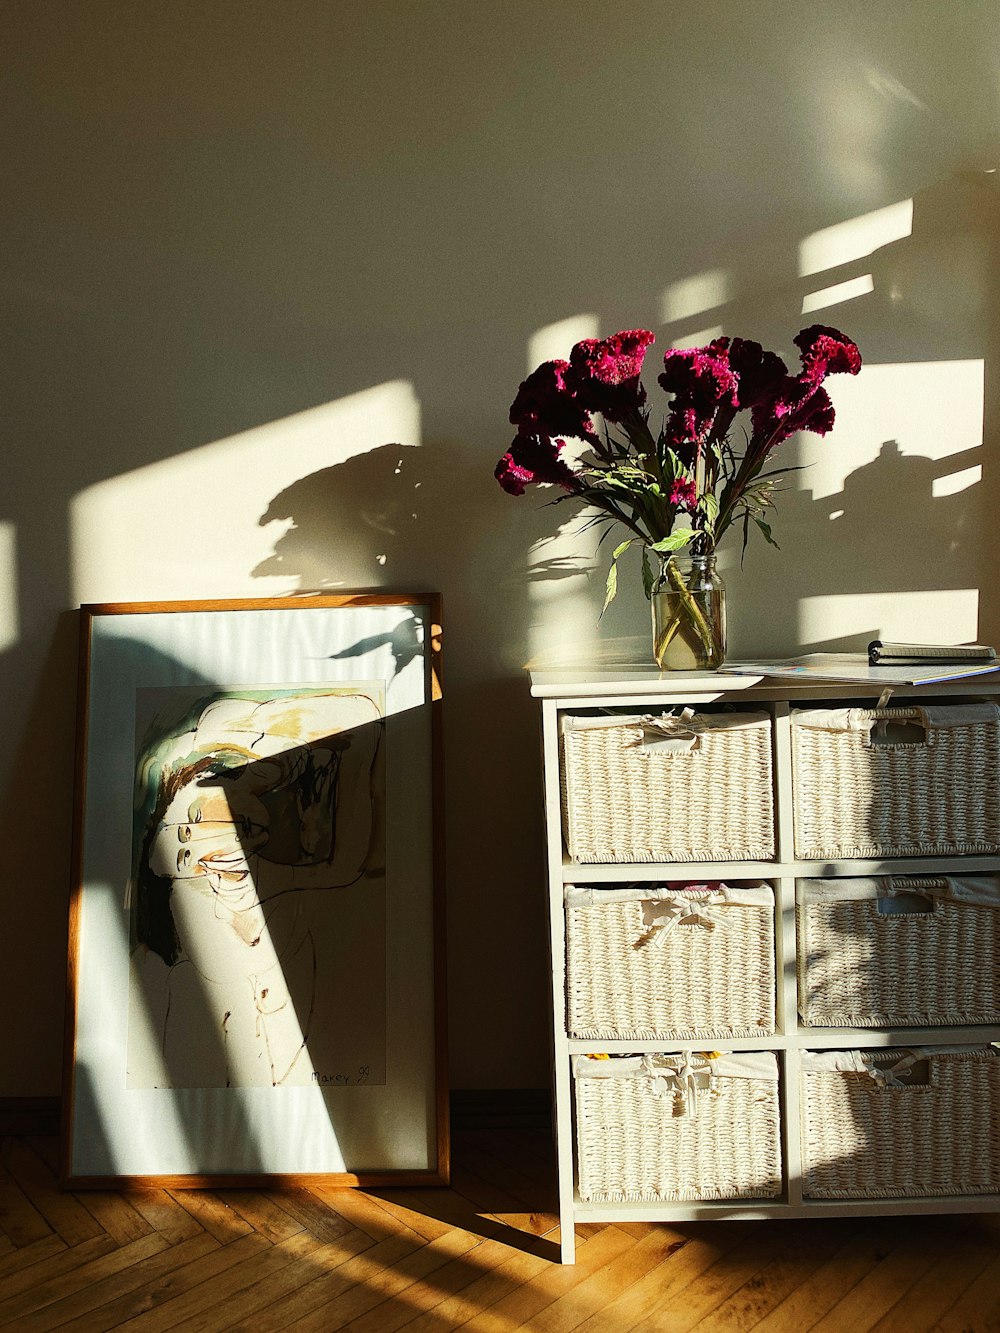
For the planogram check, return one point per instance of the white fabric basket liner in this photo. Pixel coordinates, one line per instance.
(860, 1062)
(977, 891)
(722, 895)
(739, 1064)
(667, 733)
(934, 717)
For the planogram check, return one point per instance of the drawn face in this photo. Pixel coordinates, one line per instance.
(201, 835)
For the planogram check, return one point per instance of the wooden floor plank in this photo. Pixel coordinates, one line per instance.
(317, 1217)
(796, 1253)
(159, 1290)
(115, 1215)
(420, 1210)
(941, 1285)
(56, 1265)
(212, 1213)
(270, 1282)
(635, 1263)
(265, 1214)
(47, 1148)
(28, 1255)
(19, 1307)
(422, 1267)
(67, 1218)
(202, 1301)
(489, 1197)
(521, 1308)
(432, 1260)
(311, 1296)
(818, 1293)
(496, 1271)
(458, 1291)
(448, 1209)
(689, 1250)
(367, 1213)
(977, 1310)
(534, 1190)
(877, 1292)
(20, 1220)
(165, 1215)
(694, 1301)
(84, 1307)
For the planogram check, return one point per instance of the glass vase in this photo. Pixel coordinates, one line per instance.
(689, 615)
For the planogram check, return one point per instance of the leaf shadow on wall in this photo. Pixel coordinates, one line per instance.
(885, 530)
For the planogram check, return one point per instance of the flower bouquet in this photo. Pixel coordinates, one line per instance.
(678, 490)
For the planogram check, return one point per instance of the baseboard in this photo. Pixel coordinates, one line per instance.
(501, 1108)
(29, 1115)
(472, 1108)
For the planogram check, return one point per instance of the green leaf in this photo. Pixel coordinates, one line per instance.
(612, 588)
(648, 577)
(674, 542)
(620, 550)
(766, 530)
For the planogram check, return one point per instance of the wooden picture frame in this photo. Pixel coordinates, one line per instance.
(256, 960)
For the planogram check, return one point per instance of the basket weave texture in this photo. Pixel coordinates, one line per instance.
(860, 968)
(862, 1140)
(648, 963)
(637, 1140)
(627, 799)
(855, 799)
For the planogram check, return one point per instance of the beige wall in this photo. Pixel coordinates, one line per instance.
(272, 273)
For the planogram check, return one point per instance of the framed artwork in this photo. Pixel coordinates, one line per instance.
(256, 927)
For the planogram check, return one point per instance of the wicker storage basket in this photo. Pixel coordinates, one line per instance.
(898, 951)
(678, 1127)
(686, 961)
(690, 788)
(858, 792)
(900, 1124)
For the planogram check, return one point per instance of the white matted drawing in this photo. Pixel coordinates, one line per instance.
(256, 926)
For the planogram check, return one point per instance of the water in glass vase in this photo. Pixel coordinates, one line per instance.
(689, 615)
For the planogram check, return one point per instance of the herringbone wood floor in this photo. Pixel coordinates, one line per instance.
(478, 1255)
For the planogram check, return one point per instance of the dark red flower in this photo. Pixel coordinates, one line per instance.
(546, 405)
(684, 494)
(700, 377)
(758, 372)
(604, 372)
(685, 426)
(826, 351)
(796, 405)
(531, 459)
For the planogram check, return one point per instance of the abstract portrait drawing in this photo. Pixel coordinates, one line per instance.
(257, 893)
(255, 971)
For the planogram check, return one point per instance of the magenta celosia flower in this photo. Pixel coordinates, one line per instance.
(758, 372)
(700, 377)
(605, 372)
(546, 405)
(826, 351)
(796, 405)
(685, 426)
(530, 460)
(684, 494)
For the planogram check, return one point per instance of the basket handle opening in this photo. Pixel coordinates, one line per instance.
(906, 904)
(898, 731)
